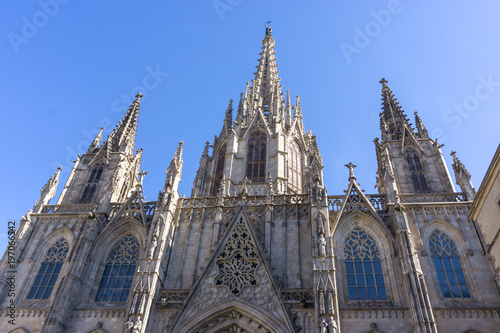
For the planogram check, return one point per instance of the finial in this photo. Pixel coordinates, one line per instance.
(141, 176)
(383, 81)
(269, 31)
(351, 167)
(205, 151)
(138, 96)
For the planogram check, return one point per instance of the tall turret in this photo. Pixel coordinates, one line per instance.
(265, 141)
(462, 177)
(108, 171)
(408, 160)
(47, 192)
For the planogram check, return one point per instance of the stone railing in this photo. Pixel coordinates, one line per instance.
(467, 313)
(59, 209)
(99, 313)
(432, 197)
(134, 209)
(20, 313)
(373, 313)
(378, 201)
(280, 199)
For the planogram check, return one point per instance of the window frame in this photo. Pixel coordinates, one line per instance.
(102, 270)
(37, 256)
(262, 163)
(363, 266)
(295, 167)
(41, 278)
(463, 265)
(417, 178)
(92, 184)
(219, 172)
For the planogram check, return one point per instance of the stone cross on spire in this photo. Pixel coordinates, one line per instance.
(141, 175)
(383, 81)
(351, 167)
(269, 31)
(140, 178)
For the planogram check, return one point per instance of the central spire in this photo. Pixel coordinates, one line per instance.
(266, 90)
(392, 118)
(125, 131)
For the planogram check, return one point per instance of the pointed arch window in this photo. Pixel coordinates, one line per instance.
(256, 157)
(95, 177)
(49, 270)
(416, 171)
(447, 263)
(119, 271)
(295, 166)
(219, 169)
(365, 279)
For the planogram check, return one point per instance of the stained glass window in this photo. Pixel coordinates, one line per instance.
(256, 157)
(49, 271)
(219, 169)
(119, 271)
(416, 171)
(447, 263)
(295, 166)
(365, 280)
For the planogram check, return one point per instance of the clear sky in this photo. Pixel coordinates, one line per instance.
(69, 67)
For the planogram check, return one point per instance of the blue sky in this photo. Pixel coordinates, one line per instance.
(67, 68)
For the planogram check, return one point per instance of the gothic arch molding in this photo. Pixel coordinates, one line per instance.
(103, 247)
(385, 243)
(118, 229)
(19, 330)
(259, 122)
(233, 312)
(446, 226)
(42, 247)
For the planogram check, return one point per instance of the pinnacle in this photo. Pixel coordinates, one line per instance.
(351, 167)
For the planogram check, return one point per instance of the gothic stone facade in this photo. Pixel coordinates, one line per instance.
(258, 246)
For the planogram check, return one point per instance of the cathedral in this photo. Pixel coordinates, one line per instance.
(258, 245)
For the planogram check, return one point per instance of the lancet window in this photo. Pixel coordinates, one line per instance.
(119, 271)
(365, 279)
(447, 263)
(219, 169)
(416, 172)
(95, 177)
(256, 157)
(49, 270)
(295, 166)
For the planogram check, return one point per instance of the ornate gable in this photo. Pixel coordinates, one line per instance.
(259, 121)
(355, 200)
(236, 278)
(133, 208)
(409, 139)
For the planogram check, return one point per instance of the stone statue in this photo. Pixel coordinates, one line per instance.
(152, 246)
(128, 325)
(137, 326)
(322, 245)
(333, 326)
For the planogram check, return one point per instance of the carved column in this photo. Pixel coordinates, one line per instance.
(325, 293)
(420, 305)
